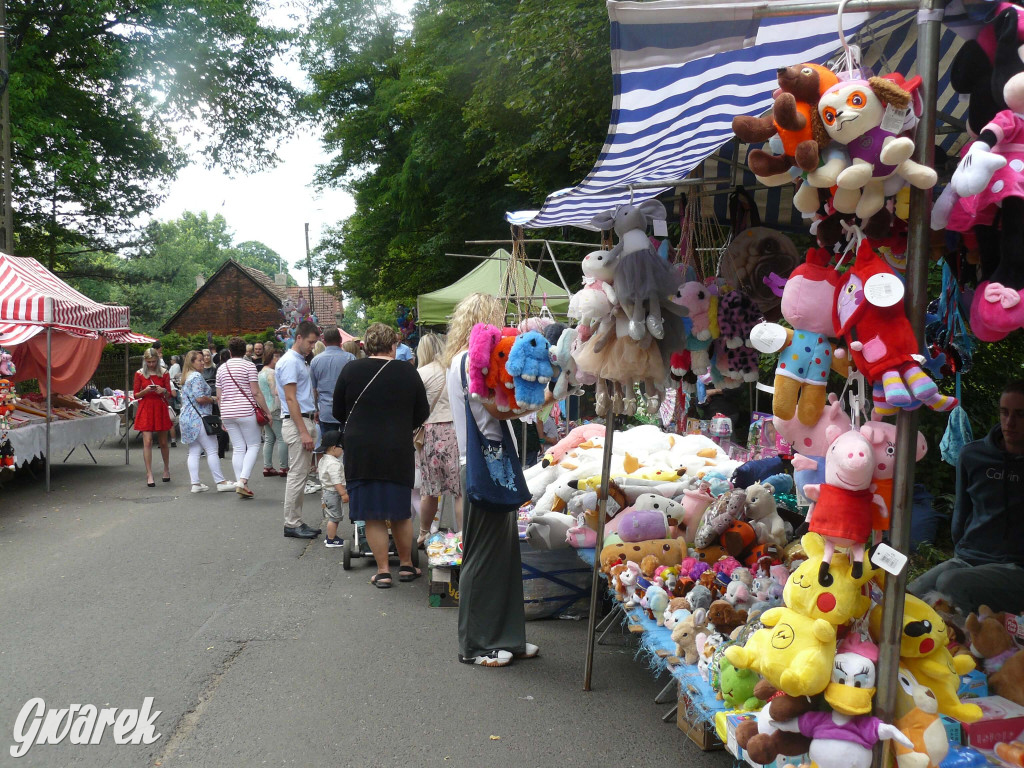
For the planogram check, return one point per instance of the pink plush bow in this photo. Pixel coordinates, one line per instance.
(996, 293)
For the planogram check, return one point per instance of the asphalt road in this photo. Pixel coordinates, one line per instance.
(261, 650)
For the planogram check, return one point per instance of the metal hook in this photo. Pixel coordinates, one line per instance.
(842, 39)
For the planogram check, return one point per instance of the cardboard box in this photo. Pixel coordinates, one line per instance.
(973, 685)
(443, 590)
(699, 730)
(1003, 720)
(954, 733)
(1015, 626)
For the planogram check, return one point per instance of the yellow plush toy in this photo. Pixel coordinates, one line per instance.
(796, 649)
(924, 654)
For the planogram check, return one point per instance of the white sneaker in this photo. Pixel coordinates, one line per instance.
(226, 487)
(312, 486)
(200, 488)
(492, 659)
(531, 652)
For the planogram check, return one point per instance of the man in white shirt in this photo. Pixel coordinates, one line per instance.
(297, 409)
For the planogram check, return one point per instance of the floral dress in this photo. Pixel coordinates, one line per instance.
(192, 412)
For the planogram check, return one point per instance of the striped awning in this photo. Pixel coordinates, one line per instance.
(683, 69)
(12, 334)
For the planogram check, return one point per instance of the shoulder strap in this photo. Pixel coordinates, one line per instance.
(440, 392)
(246, 392)
(368, 385)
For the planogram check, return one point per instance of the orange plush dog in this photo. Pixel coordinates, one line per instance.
(1003, 660)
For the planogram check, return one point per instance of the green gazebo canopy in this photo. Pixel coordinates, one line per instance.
(492, 277)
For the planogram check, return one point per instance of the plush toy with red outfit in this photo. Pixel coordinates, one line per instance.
(868, 314)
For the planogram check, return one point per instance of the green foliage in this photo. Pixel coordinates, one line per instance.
(100, 91)
(480, 106)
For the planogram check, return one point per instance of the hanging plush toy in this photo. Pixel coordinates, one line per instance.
(840, 741)
(568, 382)
(868, 314)
(882, 437)
(594, 305)
(6, 364)
(794, 118)
(499, 380)
(529, 363)
(854, 113)
(482, 340)
(643, 280)
(843, 508)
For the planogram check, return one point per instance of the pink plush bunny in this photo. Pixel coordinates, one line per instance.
(482, 339)
(698, 299)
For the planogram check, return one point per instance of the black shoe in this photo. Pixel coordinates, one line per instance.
(857, 570)
(314, 531)
(302, 532)
(824, 575)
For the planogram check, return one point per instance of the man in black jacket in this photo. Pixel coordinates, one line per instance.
(988, 519)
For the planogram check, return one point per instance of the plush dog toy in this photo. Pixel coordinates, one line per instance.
(529, 363)
(684, 635)
(922, 726)
(1003, 659)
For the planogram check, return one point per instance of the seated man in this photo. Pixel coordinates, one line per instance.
(988, 519)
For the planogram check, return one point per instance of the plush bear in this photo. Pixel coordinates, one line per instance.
(724, 617)
(881, 342)
(794, 118)
(684, 635)
(499, 380)
(530, 365)
(760, 737)
(763, 514)
(482, 340)
(852, 112)
(1003, 660)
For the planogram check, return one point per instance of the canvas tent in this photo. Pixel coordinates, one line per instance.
(492, 276)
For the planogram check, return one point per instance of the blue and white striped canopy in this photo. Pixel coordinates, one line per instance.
(683, 69)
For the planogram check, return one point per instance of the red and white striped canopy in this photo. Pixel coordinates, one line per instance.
(32, 295)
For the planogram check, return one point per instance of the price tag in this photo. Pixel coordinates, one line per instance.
(894, 119)
(768, 337)
(883, 290)
(660, 228)
(888, 559)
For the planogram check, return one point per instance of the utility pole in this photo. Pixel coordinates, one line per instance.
(7, 234)
(309, 266)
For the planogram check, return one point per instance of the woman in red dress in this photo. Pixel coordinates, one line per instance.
(153, 391)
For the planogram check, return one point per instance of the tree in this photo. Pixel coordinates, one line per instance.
(107, 95)
(253, 253)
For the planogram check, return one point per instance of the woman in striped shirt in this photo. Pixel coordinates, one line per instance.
(238, 393)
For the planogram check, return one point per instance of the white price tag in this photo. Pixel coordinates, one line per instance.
(768, 337)
(883, 290)
(660, 228)
(888, 559)
(894, 119)
(442, 575)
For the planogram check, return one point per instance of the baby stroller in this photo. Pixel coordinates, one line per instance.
(356, 545)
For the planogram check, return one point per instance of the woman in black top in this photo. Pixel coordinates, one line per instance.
(379, 405)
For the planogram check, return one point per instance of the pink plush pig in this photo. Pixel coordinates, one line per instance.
(482, 339)
(810, 443)
(882, 437)
(844, 502)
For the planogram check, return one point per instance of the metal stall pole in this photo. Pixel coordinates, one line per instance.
(929, 19)
(127, 422)
(602, 511)
(49, 397)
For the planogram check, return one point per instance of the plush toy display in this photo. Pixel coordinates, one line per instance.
(853, 677)
(794, 118)
(1003, 659)
(763, 515)
(841, 741)
(482, 340)
(844, 503)
(593, 306)
(853, 113)
(881, 342)
(924, 654)
(761, 737)
(529, 363)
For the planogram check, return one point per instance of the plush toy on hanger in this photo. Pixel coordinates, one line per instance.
(794, 118)
(868, 314)
(482, 340)
(643, 280)
(856, 113)
(499, 380)
(6, 363)
(882, 437)
(529, 363)
(845, 503)
(593, 305)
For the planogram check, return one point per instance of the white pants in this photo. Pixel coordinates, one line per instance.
(245, 444)
(202, 443)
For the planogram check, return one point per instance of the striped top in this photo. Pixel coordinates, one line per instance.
(236, 403)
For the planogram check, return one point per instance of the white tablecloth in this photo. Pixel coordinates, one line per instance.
(29, 441)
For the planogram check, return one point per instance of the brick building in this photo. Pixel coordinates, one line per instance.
(240, 299)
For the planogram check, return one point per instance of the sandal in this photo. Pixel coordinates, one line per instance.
(381, 580)
(408, 573)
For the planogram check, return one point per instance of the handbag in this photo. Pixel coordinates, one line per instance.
(421, 431)
(351, 410)
(494, 473)
(211, 422)
(262, 417)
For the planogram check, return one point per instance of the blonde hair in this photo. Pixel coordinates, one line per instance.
(318, 348)
(151, 354)
(430, 348)
(475, 308)
(353, 348)
(186, 364)
(380, 339)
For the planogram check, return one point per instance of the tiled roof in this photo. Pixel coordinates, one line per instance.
(325, 304)
(264, 279)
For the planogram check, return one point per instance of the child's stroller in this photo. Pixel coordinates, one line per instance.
(356, 545)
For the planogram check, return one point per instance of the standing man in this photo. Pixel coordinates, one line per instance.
(988, 519)
(404, 352)
(323, 373)
(257, 355)
(297, 411)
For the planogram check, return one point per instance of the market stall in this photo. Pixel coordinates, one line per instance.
(56, 335)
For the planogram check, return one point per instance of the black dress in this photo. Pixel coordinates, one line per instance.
(379, 453)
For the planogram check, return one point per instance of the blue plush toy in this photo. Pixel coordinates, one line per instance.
(529, 363)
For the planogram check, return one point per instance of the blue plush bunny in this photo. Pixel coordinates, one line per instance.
(529, 363)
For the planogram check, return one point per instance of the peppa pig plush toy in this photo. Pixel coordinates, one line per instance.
(882, 437)
(810, 443)
(842, 512)
(881, 342)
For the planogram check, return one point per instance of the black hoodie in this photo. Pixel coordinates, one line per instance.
(988, 521)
